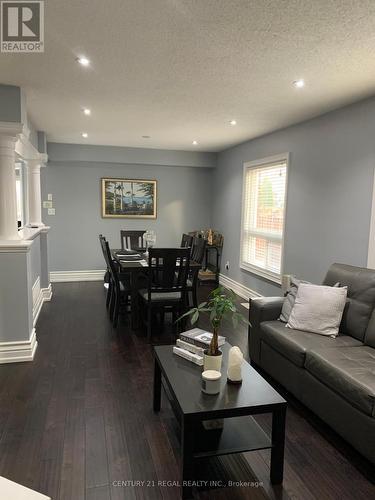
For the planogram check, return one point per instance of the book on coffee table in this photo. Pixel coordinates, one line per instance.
(200, 338)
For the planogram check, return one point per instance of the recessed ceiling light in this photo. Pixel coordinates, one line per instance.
(233, 122)
(146, 137)
(299, 83)
(85, 135)
(83, 61)
(195, 143)
(87, 111)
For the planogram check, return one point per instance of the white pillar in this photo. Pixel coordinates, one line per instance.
(34, 194)
(8, 197)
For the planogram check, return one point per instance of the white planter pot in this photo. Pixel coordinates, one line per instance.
(212, 362)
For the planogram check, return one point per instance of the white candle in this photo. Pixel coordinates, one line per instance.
(235, 360)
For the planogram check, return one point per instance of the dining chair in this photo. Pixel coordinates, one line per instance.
(109, 289)
(121, 290)
(166, 291)
(186, 241)
(198, 250)
(132, 239)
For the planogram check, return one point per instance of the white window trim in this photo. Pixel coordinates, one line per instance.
(275, 277)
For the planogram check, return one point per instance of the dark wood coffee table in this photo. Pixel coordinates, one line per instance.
(234, 403)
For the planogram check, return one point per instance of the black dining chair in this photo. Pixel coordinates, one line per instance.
(108, 274)
(132, 239)
(119, 290)
(198, 250)
(166, 291)
(186, 241)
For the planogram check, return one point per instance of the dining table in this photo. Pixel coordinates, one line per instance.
(136, 270)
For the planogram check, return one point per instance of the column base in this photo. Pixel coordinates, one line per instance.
(19, 351)
(35, 224)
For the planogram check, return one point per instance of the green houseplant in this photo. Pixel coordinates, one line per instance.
(220, 305)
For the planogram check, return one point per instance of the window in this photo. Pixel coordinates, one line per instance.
(263, 214)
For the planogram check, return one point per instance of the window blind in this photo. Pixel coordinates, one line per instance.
(263, 217)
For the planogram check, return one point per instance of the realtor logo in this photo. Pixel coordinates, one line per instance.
(22, 26)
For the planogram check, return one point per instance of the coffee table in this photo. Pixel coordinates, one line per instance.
(235, 404)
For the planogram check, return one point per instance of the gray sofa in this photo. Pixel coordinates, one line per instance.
(335, 378)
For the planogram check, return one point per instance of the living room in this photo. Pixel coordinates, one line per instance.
(246, 129)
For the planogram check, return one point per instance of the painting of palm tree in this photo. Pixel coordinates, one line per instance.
(129, 198)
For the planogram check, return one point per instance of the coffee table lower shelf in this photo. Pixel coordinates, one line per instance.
(239, 434)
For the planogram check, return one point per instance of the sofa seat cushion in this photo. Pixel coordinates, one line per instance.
(293, 344)
(349, 371)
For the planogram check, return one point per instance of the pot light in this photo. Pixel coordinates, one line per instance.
(85, 135)
(87, 111)
(146, 137)
(195, 143)
(233, 122)
(83, 61)
(299, 84)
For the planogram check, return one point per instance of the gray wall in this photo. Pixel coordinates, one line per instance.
(35, 260)
(184, 202)
(10, 103)
(332, 160)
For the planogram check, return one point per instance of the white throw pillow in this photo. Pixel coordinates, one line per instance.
(318, 309)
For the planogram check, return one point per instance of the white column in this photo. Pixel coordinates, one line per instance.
(34, 194)
(8, 198)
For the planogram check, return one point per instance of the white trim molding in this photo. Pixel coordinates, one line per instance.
(16, 352)
(40, 295)
(67, 276)
(238, 288)
(47, 293)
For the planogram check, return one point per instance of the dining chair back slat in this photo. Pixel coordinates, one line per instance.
(168, 269)
(198, 249)
(186, 241)
(132, 239)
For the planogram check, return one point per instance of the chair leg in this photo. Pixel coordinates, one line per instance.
(116, 312)
(194, 293)
(112, 304)
(149, 316)
(109, 293)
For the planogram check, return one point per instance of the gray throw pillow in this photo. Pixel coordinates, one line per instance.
(290, 299)
(318, 309)
(291, 295)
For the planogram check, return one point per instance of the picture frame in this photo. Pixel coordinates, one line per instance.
(129, 198)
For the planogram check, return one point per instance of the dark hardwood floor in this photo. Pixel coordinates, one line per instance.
(77, 423)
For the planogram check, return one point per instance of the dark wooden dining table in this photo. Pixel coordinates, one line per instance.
(134, 270)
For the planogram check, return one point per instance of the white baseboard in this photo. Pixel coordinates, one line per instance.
(241, 290)
(47, 293)
(16, 352)
(40, 295)
(65, 276)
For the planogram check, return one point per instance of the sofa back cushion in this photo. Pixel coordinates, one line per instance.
(361, 297)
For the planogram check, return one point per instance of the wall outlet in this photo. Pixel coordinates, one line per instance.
(51, 211)
(47, 204)
(227, 265)
(49, 197)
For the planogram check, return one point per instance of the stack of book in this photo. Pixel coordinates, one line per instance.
(192, 344)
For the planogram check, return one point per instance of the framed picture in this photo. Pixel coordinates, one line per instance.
(129, 198)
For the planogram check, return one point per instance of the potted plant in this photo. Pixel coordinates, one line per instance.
(220, 305)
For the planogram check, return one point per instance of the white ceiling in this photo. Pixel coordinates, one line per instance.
(179, 70)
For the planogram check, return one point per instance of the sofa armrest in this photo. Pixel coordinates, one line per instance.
(261, 309)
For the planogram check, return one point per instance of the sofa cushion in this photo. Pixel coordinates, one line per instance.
(361, 297)
(293, 344)
(349, 371)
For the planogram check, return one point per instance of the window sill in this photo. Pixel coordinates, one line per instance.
(263, 273)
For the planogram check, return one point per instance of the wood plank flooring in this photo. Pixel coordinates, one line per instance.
(77, 423)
